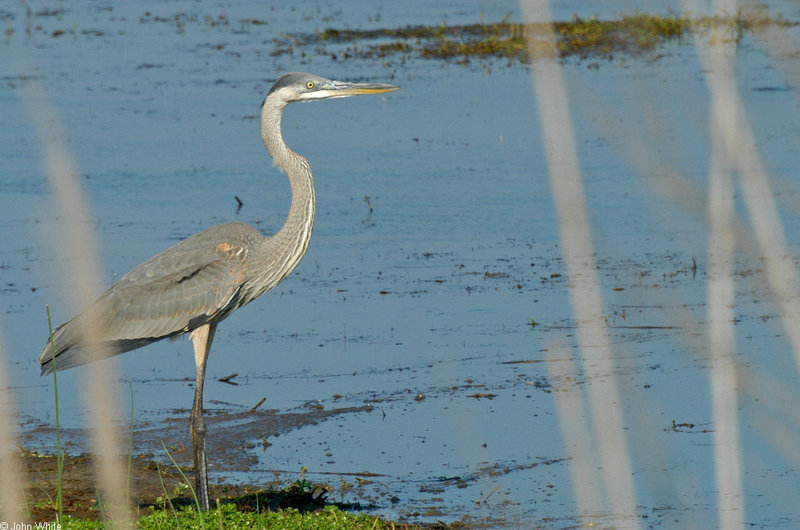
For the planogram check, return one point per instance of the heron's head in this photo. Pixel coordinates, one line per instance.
(299, 86)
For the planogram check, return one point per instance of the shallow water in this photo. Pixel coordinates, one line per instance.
(423, 326)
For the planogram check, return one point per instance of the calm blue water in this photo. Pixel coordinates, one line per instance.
(433, 293)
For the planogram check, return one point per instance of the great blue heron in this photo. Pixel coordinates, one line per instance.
(194, 285)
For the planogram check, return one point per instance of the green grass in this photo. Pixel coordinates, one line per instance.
(330, 518)
(229, 517)
(248, 512)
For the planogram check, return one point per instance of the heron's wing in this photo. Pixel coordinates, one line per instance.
(194, 282)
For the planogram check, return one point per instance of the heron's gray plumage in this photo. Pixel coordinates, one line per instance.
(202, 278)
(192, 286)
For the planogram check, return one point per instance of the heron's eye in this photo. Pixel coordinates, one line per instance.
(310, 84)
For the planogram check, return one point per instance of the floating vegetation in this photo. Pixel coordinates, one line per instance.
(579, 37)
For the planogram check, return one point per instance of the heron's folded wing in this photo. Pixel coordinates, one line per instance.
(180, 288)
(166, 304)
(173, 292)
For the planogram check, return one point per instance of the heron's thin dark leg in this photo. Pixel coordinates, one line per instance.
(201, 339)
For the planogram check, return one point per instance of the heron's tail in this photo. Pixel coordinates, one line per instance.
(64, 348)
(69, 350)
(66, 359)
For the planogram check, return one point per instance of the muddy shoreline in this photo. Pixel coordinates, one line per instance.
(155, 482)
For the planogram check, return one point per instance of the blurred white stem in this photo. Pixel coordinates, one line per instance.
(735, 146)
(724, 140)
(12, 482)
(575, 233)
(576, 431)
(721, 332)
(83, 265)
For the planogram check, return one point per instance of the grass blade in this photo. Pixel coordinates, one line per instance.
(130, 447)
(174, 463)
(59, 454)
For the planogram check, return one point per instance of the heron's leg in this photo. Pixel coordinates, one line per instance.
(201, 339)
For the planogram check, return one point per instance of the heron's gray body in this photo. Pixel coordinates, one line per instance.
(201, 279)
(192, 286)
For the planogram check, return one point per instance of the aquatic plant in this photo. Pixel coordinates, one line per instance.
(633, 34)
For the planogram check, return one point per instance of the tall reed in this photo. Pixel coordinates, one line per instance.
(82, 267)
(12, 481)
(603, 401)
(736, 171)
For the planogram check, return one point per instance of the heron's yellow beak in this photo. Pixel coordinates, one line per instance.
(340, 89)
(366, 89)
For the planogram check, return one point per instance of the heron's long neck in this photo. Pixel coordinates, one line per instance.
(293, 238)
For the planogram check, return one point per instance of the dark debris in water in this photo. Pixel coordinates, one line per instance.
(687, 427)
